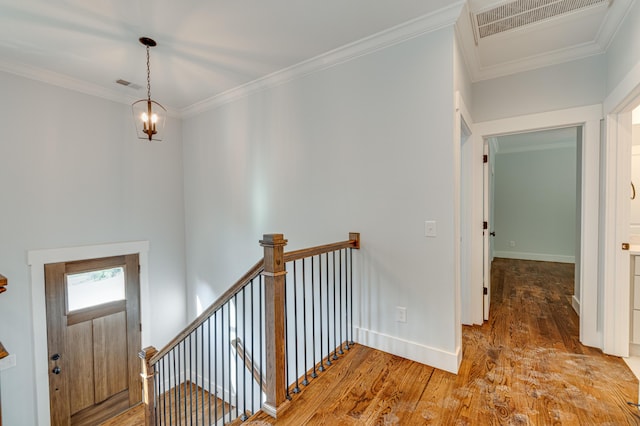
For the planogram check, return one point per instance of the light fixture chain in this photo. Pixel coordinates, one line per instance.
(148, 76)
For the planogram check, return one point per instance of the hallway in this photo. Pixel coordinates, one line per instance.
(523, 367)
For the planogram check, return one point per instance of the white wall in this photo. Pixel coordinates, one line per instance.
(72, 173)
(535, 204)
(571, 84)
(367, 146)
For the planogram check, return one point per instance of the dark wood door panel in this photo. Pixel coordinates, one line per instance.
(80, 356)
(56, 342)
(93, 363)
(110, 355)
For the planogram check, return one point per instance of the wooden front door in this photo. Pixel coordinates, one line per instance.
(93, 337)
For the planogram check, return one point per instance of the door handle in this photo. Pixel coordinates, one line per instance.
(493, 234)
(55, 358)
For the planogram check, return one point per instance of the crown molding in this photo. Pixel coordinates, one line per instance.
(612, 22)
(536, 62)
(441, 18)
(466, 42)
(74, 84)
(414, 28)
(60, 80)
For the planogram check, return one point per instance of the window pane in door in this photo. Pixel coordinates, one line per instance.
(88, 289)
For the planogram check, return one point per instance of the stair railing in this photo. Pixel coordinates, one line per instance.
(210, 373)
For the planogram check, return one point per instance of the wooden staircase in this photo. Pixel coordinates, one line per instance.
(301, 304)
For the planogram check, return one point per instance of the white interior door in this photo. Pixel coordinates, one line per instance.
(486, 261)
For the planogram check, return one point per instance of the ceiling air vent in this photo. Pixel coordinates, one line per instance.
(129, 84)
(524, 12)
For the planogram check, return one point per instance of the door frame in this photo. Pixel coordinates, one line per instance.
(469, 262)
(36, 259)
(616, 262)
(618, 102)
(487, 207)
(463, 123)
(589, 117)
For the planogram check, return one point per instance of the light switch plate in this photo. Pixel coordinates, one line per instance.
(430, 228)
(401, 314)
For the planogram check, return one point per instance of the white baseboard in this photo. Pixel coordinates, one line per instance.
(535, 256)
(437, 358)
(575, 304)
(634, 350)
(221, 392)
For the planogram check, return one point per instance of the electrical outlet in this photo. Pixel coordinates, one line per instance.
(512, 244)
(401, 314)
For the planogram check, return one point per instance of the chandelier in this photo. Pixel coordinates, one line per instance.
(148, 114)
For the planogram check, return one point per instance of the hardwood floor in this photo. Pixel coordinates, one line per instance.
(523, 367)
(191, 403)
(132, 417)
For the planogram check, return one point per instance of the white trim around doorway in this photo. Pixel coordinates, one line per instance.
(589, 117)
(36, 259)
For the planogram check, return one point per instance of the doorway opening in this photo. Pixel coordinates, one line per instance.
(532, 199)
(589, 119)
(36, 259)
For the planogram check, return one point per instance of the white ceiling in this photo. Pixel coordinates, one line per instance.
(581, 33)
(208, 47)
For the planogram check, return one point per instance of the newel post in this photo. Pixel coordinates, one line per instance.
(274, 289)
(148, 376)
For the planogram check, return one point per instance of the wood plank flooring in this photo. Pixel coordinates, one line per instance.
(523, 367)
(191, 398)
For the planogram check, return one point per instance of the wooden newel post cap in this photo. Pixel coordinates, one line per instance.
(355, 236)
(273, 240)
(147, 353)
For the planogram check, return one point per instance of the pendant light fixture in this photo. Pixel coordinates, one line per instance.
(148, 114)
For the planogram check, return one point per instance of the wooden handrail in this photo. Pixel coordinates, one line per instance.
(353, 242)
(202, 318)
